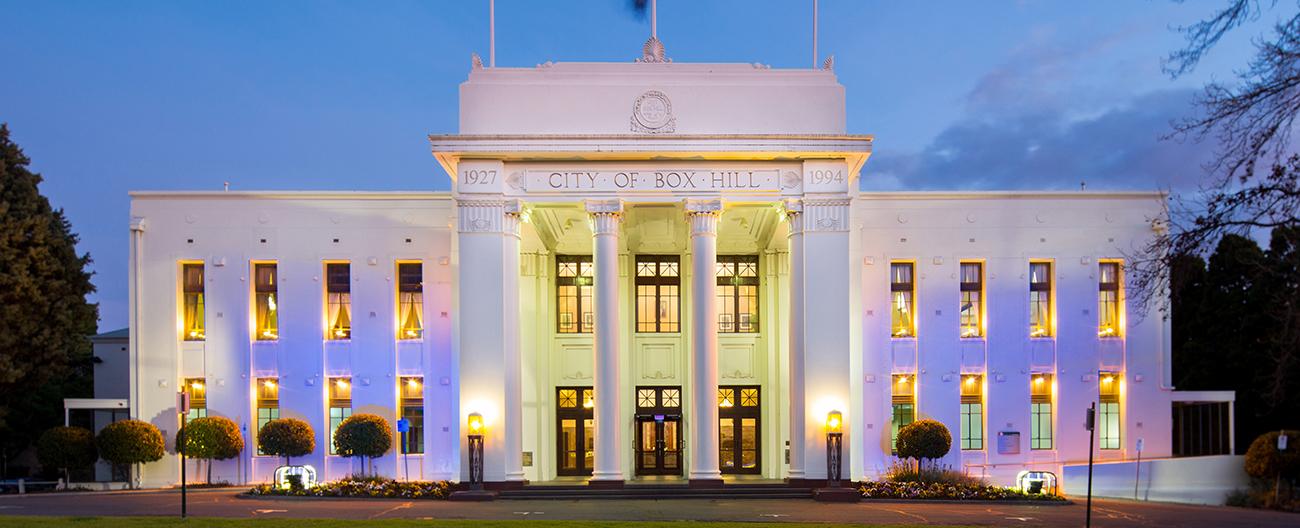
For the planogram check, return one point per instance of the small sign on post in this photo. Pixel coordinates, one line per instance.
(1281, 442)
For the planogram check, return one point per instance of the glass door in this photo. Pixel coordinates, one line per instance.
(574, 432)
(658, 442)
(739, 413)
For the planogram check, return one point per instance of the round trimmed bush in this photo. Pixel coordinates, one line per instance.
(1264, 461)
(211, 438)
(130, 442)
(287, 437)
(924, 440)
(365, 435)
(66, 448)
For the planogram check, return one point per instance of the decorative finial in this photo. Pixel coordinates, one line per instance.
(653, 51)
(475, 61)
(829, 65)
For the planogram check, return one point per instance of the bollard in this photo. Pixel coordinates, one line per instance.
(22, 487)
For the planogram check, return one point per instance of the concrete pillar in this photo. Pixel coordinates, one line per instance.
(794, 213)
(703, 445)
(606, 219)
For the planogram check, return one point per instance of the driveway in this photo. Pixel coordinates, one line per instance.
(225, 503)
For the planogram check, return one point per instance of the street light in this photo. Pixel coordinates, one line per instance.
(475, 428)
(834, 447)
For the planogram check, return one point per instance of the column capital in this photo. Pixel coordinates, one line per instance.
(793, 209)
(703, 215)
(606, 215)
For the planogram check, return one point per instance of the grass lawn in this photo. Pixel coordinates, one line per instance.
(197, 522)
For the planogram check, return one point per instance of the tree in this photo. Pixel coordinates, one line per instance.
(211, 438)
(130, 442)
(45, 321)
(924, 440)
(365, 435)
(66, 448)
(287, 437)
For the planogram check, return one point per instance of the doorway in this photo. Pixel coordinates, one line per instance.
(575, 434)
(658, 431)
(739, 417)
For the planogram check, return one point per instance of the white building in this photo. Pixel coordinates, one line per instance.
(652, 269)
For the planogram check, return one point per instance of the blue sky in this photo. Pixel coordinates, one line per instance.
(107, 97)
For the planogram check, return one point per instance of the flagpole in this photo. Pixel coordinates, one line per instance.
(814, 46)
(492, 33)
(654, 18)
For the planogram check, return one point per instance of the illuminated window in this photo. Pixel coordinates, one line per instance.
(197, 389)
(1108, 300)
(340, 390)
(192, 299)
(573, 284)
(972, 412)
(412, 389)
(738, 430)
(268, 404)
(338, 299)
(1040, 299)
(1108, 423)
(737, 293)
(903, 411)
(903, 290)
(410, 300)
(1040, 412)
(972, 299)
(266, 304)
(575, 431)
(658, 281)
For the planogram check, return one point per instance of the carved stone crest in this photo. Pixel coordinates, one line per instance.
(652, 113)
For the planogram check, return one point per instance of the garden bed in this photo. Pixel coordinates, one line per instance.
(948, 491)
(362, 488)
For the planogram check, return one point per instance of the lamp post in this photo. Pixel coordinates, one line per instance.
(475, 428)
(834, 447)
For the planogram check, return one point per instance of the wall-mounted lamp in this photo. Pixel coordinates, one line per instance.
(474, 426)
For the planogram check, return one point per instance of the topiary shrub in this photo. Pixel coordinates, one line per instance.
(287, 437)
(1264, 461)
(365, 435)
(130, 442)
(924, 440)
(65, 448)
(211, 438)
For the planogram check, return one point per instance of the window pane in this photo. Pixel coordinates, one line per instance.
(192, 297)
(901, 314)
(410, 300)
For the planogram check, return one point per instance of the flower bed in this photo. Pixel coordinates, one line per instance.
(945, 491)
(377, 488)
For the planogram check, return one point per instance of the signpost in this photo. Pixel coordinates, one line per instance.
(404, 428)
(1090, 423)
(1138, 478)
(183, 405)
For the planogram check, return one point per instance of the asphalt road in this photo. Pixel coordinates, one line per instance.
(225, 503)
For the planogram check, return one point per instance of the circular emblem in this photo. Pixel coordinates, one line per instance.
(653, 112)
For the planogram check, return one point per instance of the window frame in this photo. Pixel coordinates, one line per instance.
(1112, 309)
(266, 298)
(659, 282)
(1042, 406)
(197, 389)
(1110, 417)
(580, 283)
(415, 291)
(408, 400)
(736, 281)
(909, 288)
(979, 302)
(268, 403)
(972, 413)
(902, 389)
(343, 288)
(338, 401)
(1047, 290)
(193, 301)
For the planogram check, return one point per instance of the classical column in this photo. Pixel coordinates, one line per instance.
(794, 213)
(703, 445)
(488, 341)
(606, 218)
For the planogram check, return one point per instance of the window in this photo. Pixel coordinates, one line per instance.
(1108, 300)
(573, 289)
(657, 284)
(192, 298)
(737, 293)
(1040, 412)
(266, 305)
(738, 429)
(575, 430)
(903, 289)
(972, 413)
(903, 411)
(1040, 299)
(268, 404)
(412, 389)
(338, 299)
(1108, 411)
(410, 300)
(340, 406)
(197, 389)
(972, 299)
(1201, 428)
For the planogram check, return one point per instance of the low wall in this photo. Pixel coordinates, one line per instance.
(1192, 480)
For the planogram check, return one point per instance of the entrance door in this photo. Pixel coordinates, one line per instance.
(658, 431)
(573, 429)
(739, 447)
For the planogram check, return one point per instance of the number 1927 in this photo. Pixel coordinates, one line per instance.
(479, 177)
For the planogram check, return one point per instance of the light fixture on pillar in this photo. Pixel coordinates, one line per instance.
(475, 429)
(834, 447)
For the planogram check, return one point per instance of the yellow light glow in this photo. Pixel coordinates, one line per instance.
(1106, 331)
(413, 383)
(726, 403)
(269, 334)
(834, 421)
(341, 383)
(1107, 378)
(1038, 380)
(196, 385)
(410, 333)
(902, 380)
(196, 334)
(475, 423)
(339, 332)
(270, 384)
(970, 380)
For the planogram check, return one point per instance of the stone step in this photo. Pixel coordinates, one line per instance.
(657, 491)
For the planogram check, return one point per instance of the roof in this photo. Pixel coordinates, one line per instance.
(120, 333)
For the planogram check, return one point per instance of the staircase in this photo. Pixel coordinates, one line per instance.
(656, 491)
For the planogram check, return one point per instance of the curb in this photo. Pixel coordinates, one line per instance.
(117, 492)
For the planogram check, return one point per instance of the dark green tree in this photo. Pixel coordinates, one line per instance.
(364, 435)
(287, 437)
(130, 442)
(67, 448)
(211, 438)
(924, 440)
(45, 320)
